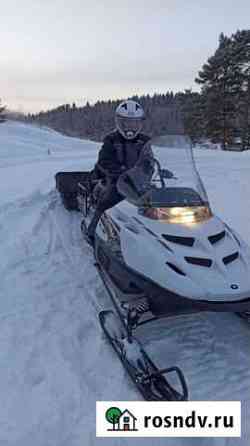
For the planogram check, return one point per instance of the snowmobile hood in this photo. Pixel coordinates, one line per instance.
(205, 261)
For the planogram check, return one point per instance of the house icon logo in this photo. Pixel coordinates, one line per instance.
(121, 420)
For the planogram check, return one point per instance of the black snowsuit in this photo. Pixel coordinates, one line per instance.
(117, 155)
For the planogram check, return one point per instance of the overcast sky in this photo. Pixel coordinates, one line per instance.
(58, 51)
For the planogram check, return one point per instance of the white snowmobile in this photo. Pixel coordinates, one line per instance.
(161, 252)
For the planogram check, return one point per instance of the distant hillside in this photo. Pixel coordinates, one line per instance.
(163, 112)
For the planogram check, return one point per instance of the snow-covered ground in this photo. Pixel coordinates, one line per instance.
(54, 360)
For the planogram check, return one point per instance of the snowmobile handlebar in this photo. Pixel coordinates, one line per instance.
(163, 174)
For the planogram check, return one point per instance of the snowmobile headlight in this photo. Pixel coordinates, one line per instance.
(182, 215)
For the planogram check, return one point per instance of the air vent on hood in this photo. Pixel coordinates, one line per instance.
(230, 258)
(199, 261)
(175, 269)
(186, 241)
(165, 245)
(216, 237)
(132, 228)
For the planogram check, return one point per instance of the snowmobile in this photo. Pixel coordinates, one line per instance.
(160, 253)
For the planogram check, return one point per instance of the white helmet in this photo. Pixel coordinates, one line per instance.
(129, 117)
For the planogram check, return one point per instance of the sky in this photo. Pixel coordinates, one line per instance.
(56, 51)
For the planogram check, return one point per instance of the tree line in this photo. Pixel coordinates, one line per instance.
(94, 121)
(220, 112)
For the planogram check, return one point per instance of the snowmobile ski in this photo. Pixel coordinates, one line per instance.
(148, 378)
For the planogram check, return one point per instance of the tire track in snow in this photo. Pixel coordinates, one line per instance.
(68, 308)
(79, 272)
(19, 255)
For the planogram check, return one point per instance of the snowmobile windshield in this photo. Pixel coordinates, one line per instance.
(165, 183)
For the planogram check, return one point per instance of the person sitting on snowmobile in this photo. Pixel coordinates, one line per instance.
(120, 151)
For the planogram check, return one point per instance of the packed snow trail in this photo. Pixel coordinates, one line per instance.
(55, 362)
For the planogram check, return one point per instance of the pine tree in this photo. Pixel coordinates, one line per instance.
(219, 88)
(241, 41)
(225, 89)
(191, 105)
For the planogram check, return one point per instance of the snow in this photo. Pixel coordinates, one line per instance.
(55, 362)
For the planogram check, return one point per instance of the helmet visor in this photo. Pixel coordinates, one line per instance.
(129, 127)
